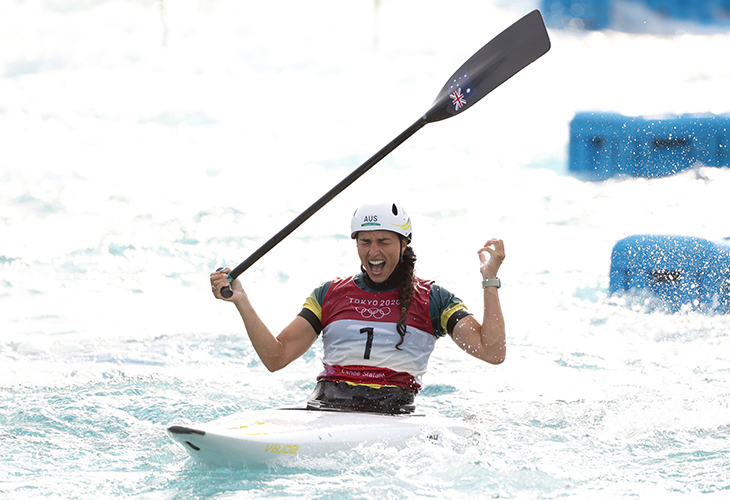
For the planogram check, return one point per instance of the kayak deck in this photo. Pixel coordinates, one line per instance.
(266, 436)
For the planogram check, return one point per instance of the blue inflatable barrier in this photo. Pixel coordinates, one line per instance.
(700, 11)
(598, 14)
(678, 270)
(579, 14)
(604, 145)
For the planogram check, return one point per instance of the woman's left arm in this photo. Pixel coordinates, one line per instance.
(486, 341)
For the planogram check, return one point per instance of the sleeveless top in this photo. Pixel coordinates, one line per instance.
(358, 326)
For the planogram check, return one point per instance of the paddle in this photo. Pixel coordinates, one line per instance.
(495, 63)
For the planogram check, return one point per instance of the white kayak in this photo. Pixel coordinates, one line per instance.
(264, 437)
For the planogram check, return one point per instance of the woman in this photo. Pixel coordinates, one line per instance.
(380, 326)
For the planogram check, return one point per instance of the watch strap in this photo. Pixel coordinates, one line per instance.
(495, 282)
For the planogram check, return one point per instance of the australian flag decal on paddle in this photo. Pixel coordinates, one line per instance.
(461, 89)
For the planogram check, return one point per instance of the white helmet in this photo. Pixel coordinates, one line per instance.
(381, 217)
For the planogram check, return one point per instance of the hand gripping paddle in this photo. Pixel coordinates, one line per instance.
(492, 65)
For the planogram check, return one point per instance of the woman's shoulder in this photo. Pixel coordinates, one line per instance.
(336, 285)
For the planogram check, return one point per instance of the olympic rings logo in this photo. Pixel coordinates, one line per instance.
(373, 312)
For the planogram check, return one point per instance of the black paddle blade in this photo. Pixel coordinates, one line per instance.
(495, 63)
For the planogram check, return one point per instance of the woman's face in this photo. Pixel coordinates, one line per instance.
(379, 253)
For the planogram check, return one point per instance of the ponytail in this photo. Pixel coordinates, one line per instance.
(407, 277)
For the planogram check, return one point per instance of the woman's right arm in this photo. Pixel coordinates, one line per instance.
(275, 351)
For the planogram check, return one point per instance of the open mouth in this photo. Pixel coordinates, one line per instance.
(376, 266)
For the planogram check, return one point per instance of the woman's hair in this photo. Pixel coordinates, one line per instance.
(407, 276)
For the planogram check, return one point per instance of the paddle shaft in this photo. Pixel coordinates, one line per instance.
(301, 218)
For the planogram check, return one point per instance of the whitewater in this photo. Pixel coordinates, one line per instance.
(145, 143)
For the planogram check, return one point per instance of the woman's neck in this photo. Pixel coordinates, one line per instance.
(391, 282)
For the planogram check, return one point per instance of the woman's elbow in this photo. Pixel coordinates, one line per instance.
(496, 357)
(274, 364)
(496, 361)
(275, 367)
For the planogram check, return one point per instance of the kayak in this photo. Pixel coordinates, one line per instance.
(287, 435)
